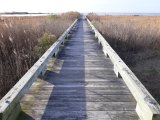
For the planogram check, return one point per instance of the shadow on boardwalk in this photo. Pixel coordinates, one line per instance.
(81, 85)
(58, 99)
(64, 102)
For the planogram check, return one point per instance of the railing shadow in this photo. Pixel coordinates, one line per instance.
(67, 100)
(24, 115)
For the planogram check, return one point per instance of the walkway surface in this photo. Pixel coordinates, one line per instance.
(79, 85)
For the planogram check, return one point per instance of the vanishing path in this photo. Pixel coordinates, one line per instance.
(80, 84)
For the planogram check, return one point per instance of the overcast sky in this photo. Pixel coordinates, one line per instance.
(128, 6)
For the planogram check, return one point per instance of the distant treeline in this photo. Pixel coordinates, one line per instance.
(20, 13)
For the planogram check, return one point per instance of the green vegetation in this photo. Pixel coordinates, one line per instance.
(53, 17)
(44, 43)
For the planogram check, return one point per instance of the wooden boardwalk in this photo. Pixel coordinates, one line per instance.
(80, 84)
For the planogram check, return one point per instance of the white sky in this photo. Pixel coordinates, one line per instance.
(148, 6)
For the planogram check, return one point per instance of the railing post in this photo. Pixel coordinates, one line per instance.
(56, 53)
(68, 36)
(14, 113)
(96, 36)
(145, 113)
(63, 43)
(105, 52)
(44, 71)
(116, 71)
(142, 114)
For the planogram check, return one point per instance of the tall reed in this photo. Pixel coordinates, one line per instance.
(19, 36)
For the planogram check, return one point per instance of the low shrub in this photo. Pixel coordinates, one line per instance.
(44, 43)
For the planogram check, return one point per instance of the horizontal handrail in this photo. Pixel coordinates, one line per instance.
(11, 100)
(147, 107)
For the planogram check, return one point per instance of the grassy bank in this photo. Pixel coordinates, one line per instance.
(137, 41)
(23, 40)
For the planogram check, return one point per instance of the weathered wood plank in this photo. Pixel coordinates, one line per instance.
(81, 92)
(80, 85)
(82, 115)
(82, 106)
(84, 98)
(80, 64)
(96, 82)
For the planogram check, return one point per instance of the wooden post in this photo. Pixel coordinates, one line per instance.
(116, 71)
(96, 35)
(56, 52)
(105, 52)
(145, 113)
(43, 71)
(63, 43)
(13, 114)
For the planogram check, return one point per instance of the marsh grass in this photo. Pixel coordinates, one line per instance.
(137, 41)
(23, 40)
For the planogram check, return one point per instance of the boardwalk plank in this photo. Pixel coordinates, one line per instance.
(79, 85)
(82, 115)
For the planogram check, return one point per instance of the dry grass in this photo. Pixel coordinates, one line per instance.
(137, 40)
(19, 36)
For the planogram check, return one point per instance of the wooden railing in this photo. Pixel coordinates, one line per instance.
(147, 107)
(10, 103)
